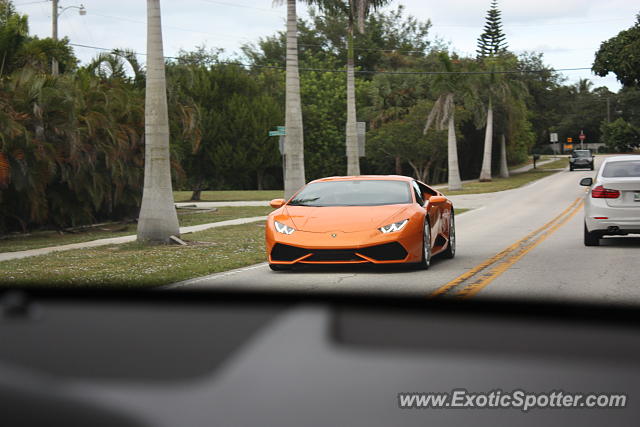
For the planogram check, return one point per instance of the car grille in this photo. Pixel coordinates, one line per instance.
(387, 252)
(334, 255)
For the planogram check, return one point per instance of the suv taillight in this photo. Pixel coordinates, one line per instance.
(600, 192)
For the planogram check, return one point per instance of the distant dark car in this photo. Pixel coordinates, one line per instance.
(581, 159)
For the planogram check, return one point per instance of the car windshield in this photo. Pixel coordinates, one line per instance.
(354, 193)
(581, 153)
(623, 169)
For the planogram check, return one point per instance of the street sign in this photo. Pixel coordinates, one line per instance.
(280, 130)
(569, 140)
(553, 137)
(361, 129)
(582, 136)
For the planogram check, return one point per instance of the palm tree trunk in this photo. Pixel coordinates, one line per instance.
(452, 145)
(294, 176)
(504, 170)
(485, 174)
(158, 218)
(353, 160)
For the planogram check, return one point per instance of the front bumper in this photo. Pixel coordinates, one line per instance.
(345, 248)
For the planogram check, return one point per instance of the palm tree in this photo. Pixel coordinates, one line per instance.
(443, 111)
(294, 176)
(485, 172)
(509, 93)
(504, 169)
(496, 88)
(158, 218)
(356, 12)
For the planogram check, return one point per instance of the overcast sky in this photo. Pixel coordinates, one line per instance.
(568, 32)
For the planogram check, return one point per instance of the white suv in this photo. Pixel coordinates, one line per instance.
(612, 205)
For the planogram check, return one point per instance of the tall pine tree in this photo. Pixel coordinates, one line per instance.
(492, 41)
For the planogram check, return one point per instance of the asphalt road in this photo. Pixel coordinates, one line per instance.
(539, 225)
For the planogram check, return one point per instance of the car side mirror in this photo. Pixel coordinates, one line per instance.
(435, 200)
(586, 182)
(276, 203)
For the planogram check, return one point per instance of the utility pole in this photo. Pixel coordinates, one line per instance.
(56, 11)
(54, 33)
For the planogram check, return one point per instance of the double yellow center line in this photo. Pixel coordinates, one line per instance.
(470, 283)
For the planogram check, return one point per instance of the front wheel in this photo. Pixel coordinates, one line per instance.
(450, 252)
(591, 238)
(426, 247)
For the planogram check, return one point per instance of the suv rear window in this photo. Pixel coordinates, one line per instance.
(622, 169)
(581, 153)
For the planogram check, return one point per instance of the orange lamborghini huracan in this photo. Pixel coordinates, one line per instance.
(379, 219)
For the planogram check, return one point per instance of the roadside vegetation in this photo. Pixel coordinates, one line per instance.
(72, 151)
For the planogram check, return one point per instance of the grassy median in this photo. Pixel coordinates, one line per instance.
(43, 239)
(136, 265)
(514, 181)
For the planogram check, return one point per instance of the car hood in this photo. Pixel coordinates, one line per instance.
(347, 219)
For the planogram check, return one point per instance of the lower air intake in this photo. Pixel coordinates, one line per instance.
(387, 252)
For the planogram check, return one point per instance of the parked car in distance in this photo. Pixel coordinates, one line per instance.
(581, 159)
(612, 205)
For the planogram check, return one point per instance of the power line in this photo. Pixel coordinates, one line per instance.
(507, 25)
(222, 3)
(328, 70)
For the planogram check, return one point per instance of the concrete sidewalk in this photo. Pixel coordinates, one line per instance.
(123, 239)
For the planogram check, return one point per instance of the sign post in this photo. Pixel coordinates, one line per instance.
(361, 128)
(582, 138)
(281, 132)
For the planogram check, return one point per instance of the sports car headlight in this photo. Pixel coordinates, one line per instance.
(396, 226)
(282, 228)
